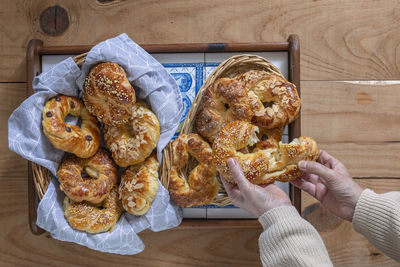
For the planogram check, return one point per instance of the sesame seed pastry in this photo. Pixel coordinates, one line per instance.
(260, 166)
(83, 141)
(139, 185)
(108, 94)
(102, 177)
(274, 100)
(202, 184)
(83, 216)
(267, 100)
(132, 142)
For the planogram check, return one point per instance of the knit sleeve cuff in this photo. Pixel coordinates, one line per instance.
(377, 217)
(283, 213)
(370, 211)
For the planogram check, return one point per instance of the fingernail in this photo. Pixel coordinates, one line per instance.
(302, 165)
(231, 162)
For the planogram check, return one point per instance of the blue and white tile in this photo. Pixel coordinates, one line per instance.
(187, 70)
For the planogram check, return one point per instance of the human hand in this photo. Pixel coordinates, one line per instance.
(329, 181)
(255, 199)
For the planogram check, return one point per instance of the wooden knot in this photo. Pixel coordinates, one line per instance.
(54, 20)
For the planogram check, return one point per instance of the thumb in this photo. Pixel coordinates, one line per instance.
(311, 167)
(238, 176)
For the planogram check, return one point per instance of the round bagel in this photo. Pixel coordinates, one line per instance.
(139, 185)
(108, 94)
(102, 176)
(202, 185)
(133, 142)
(267, 100)
(260, 166)
(83, 216)
(83, 141)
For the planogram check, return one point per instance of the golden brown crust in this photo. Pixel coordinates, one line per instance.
(242, 98)
(224, 101)
(202, 185)
(262, 166)
(102, 176)
(108, 94)
(139, 185)
(274, 89)
(128, 149)
(83, 141)
(83, 216)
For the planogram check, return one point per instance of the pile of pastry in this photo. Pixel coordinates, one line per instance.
(241, 117)
(88, 175)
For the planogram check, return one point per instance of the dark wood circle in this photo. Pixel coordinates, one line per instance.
(54, 20)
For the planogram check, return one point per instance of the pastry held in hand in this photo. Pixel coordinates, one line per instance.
(267, 100)
(202, 185)
(83, 141)
(278, 163)
(83, 216)
(102, 177)
(133, 142)
(139, 185)
(108, 94)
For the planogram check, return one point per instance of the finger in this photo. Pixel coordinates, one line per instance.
(305, 186)
(236, 197)
(227, 185)
(325, 174)
(327, 159)
(320, 191)
(237, 174)
(231, 189)
(312, 178)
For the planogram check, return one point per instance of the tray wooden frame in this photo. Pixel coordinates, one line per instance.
(36, 50)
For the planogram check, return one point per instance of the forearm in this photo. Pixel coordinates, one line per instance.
(289, 240)
(377, 217)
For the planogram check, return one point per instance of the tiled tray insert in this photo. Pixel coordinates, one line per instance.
(190, 70)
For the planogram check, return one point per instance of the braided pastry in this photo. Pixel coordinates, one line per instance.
(275, 90)
(83, 216)
(202, 184)
(261, 166)
(108, 94)
(83, 141)
(268, 138)
(139, 185)
(133, 142)
(224, 101)
(95, 188)
(267, 100)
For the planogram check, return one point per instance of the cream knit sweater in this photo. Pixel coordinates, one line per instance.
(289, 240)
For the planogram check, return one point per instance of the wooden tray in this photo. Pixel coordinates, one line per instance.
(36, 50)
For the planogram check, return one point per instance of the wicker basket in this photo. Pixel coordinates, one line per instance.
(229, 68)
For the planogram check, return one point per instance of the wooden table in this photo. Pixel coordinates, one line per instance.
(350, 63)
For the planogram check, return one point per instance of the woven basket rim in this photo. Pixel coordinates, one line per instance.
(232, 66)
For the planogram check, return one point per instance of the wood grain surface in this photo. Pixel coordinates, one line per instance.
(347, 48)
(357, 122)
(340, 40)
(346, 247)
